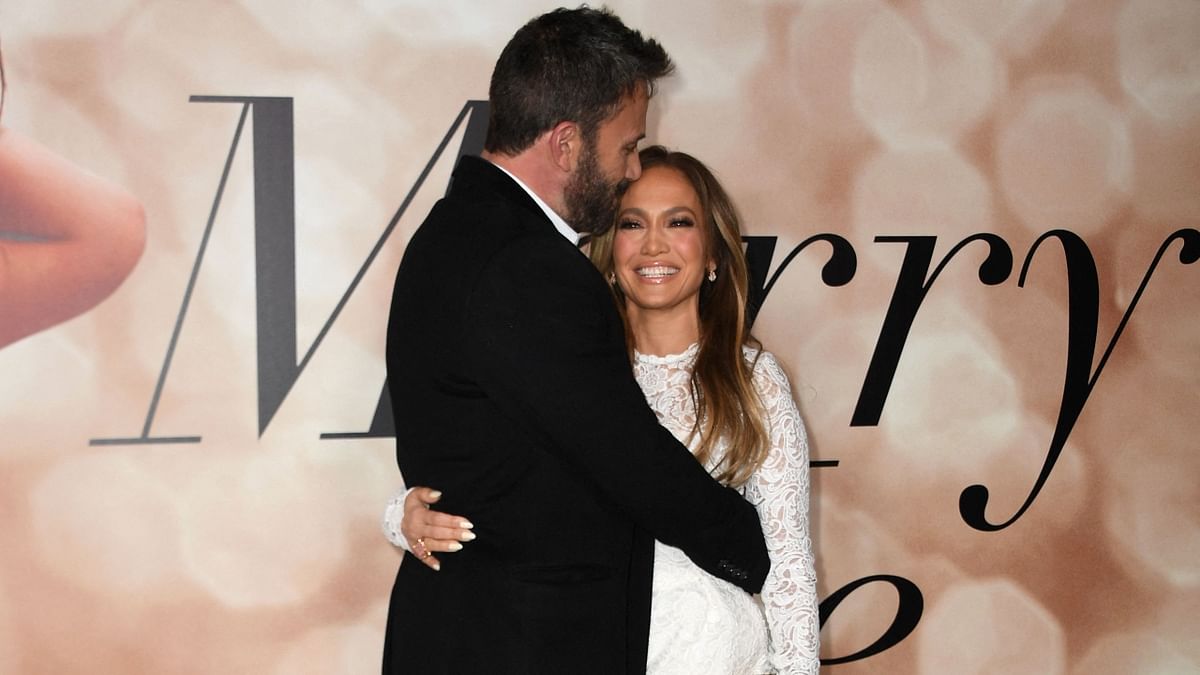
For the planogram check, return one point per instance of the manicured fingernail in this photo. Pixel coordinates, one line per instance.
(466, 524)
(437, 567)
(467, 536)
(436, 494)
(455, 546)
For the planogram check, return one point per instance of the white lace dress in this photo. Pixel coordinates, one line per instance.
(701, 624)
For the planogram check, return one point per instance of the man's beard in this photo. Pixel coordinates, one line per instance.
(591, 201)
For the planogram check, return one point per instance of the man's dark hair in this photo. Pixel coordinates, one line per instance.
(568, 65)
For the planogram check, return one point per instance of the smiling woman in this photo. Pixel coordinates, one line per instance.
(678, 216)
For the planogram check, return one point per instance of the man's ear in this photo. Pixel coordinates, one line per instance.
(566, 145)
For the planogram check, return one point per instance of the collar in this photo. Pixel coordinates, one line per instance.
(559, 224)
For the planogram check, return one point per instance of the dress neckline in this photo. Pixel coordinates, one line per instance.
(669, 359)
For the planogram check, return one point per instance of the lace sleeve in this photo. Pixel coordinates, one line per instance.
(393, 513)
(779, 490)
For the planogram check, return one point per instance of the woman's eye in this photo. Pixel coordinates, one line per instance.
(682, 222)
(629, 225)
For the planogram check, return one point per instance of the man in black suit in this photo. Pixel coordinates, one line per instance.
(513, 393)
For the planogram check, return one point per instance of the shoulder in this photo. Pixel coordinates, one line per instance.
(483, 213)
(767, 373)
(539, 255)
(476, 226)
(542, 273)
(483, 196)
(774, 390)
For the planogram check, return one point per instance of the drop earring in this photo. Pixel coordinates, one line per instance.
(712, 274)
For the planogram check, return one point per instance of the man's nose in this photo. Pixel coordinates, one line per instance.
(633, 168)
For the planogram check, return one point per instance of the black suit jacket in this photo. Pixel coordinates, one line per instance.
(513, 394)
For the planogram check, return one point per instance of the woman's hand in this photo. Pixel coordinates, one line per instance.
(428, 531)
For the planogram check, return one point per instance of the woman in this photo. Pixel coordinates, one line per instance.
(677, 271)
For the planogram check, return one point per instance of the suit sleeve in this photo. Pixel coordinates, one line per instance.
(543, 326)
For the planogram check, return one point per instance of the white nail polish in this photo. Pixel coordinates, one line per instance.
(467, 536)
(466, 524)
(435, 495)
(455, 546)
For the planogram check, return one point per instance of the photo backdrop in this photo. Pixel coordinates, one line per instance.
(993, 211)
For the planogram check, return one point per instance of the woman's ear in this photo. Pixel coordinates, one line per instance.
(710, 268)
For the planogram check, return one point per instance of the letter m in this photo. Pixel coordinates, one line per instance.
(279, 363)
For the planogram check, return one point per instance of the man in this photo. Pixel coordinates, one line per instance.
(513, 393)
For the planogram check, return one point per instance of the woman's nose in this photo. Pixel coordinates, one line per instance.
(654, 242)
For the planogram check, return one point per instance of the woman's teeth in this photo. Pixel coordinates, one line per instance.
(656, 271)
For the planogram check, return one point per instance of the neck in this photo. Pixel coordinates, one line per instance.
(537, 174)
(663, 332)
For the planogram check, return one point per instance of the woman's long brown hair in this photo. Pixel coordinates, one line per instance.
(727, 404)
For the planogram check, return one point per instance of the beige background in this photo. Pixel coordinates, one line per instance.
(249, 554)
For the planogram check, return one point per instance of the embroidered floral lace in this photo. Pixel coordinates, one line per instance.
(700, 624)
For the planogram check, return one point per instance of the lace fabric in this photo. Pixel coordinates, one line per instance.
(700, 624)
(393, 515)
